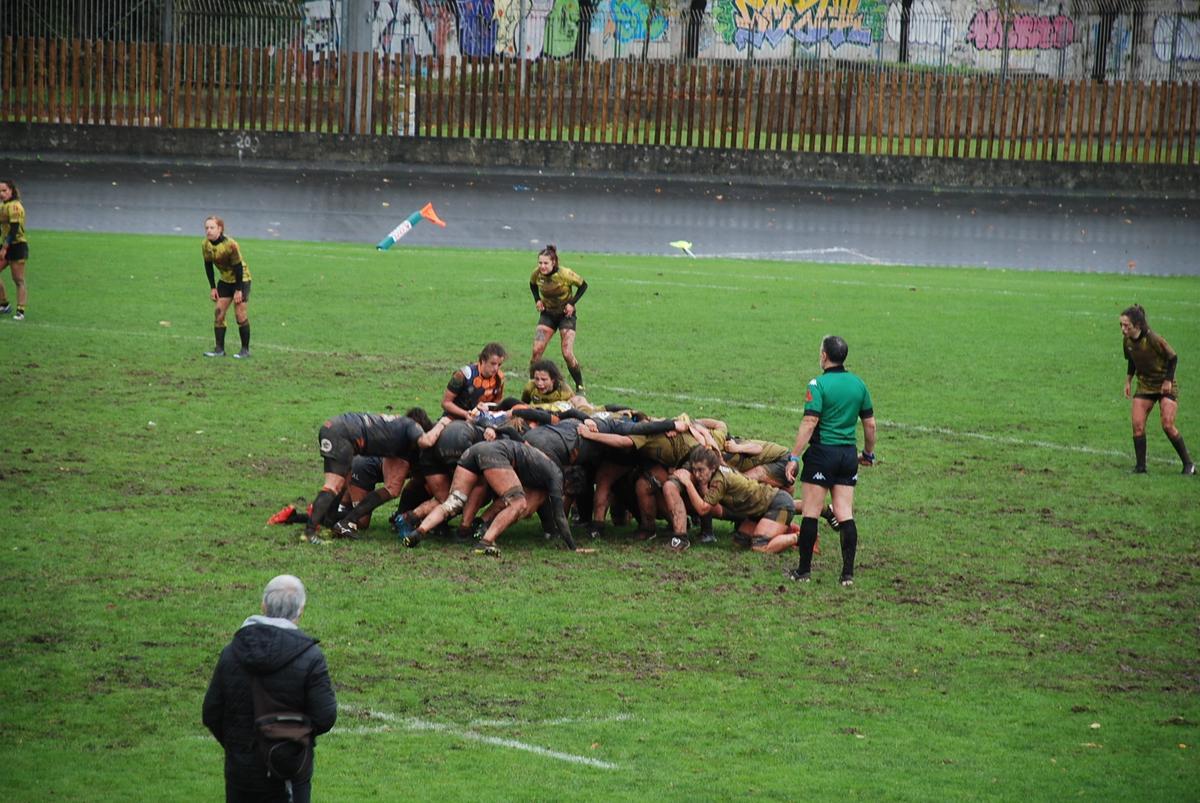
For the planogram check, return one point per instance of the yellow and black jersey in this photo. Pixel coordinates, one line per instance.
(531, 395)
(225, 256)
(671, 451)
(1152, 359)
(12, 222)
(739, 495)
(557, 289)
(769, 453)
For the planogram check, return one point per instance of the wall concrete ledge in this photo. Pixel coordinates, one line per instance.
(341, 151)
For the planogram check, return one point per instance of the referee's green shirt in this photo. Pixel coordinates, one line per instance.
(839, 399)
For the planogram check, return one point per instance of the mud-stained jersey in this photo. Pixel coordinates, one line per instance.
(225, 255)
(557, 289)
(471, 388)
(1152, 359)
(739, 495)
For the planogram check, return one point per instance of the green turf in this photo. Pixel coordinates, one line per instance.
(1024, 623)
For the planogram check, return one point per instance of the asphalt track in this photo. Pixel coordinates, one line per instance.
(638, 215)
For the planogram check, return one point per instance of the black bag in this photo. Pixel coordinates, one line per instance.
(283, 738)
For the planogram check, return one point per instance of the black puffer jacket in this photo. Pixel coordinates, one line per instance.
(293, 671)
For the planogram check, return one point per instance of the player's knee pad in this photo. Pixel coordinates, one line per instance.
(454, 503)
(649, 479)
(513, 496)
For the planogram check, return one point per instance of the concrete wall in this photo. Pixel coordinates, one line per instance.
(372, 153)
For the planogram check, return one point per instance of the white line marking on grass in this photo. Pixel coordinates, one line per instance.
(643, 281)
(799, 253)
(309, 255)
(416, 724)
(685, 284)
(514, 723)
(1099, 297)
(946, 431)
(1091, 314)
(96, 330)
(685, 397)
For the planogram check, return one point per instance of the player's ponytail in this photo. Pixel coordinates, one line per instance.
(1136, 316)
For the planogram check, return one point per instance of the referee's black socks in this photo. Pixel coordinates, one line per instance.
(848, 530)
(806, 542)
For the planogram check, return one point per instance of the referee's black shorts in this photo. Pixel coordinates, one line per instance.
(828, 466)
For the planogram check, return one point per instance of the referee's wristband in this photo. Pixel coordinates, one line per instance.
(868, 455)
(793, 459)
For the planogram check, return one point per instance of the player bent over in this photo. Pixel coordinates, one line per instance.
(441, 447)
(1153, 361)
(391, 437)
(765, 512)
(524, 481)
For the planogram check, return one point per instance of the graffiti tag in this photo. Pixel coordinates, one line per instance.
(1186, 46)
(629, 21)
(769, 23)
(1026, 31)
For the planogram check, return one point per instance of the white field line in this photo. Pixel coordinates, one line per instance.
(334, 257)
(684, 397)
(497, 280)
(521, 723)
(798, 253)
(417, 724)
(785, 277)
(1093, 314)
(96, 330)
(944, 431)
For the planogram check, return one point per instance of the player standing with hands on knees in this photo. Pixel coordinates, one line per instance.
(223, 253)
(1153, 361)
(827, 440)
(552, 286)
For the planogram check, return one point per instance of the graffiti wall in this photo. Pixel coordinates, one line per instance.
(1177, 38)
(1041, 37)
(783, 27)
(398, 26)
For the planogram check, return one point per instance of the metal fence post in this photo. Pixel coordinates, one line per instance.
(1174, 46)
(168, 64)
(356, 38)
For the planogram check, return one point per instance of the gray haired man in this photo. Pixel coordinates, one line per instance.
(291, 669)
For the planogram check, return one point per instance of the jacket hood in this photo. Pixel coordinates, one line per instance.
(263, 646)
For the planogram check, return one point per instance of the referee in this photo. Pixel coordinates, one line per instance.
(827, 439)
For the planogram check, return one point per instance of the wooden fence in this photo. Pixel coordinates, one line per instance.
(785, 107)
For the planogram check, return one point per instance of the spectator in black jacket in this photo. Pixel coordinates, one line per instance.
(292, 670)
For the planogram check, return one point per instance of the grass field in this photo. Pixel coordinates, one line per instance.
(1025, 623)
